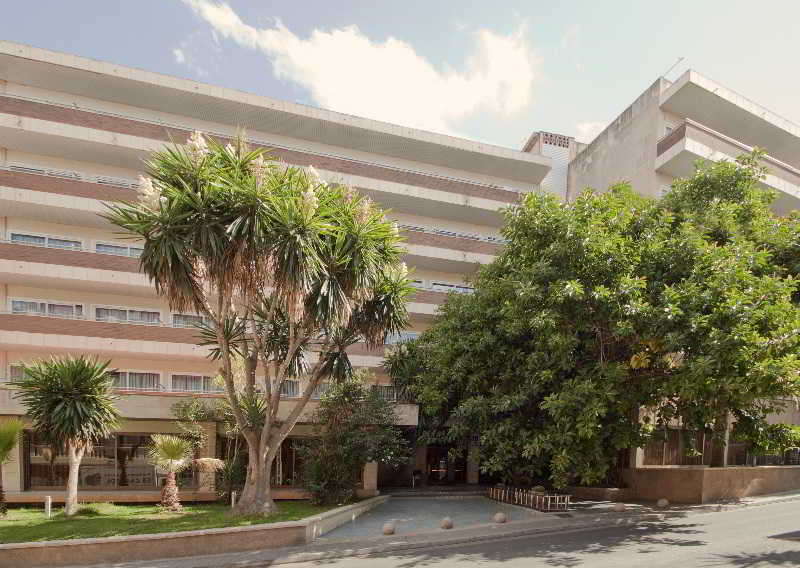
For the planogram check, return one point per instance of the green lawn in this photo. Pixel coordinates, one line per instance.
(106, 519)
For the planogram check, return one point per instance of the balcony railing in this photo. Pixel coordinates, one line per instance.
(72, 175)
(258, 142)
(456, 234)
(70, 248)
(683, 130)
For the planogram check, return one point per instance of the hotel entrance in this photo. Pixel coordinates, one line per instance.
(443, 469)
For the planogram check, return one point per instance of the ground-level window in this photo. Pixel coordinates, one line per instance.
(288, 465)
(119, 461)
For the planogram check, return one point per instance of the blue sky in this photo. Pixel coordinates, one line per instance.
(489, 71)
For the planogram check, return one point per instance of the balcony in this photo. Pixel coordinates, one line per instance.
(43, 112)
(699, 99)
(677, 151)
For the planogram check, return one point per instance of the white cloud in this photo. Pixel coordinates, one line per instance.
(346, 71)
(587, 131)
(178, 54)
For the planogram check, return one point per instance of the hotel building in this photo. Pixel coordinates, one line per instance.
(74, 133)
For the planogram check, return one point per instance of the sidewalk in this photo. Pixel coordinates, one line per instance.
(586, 516)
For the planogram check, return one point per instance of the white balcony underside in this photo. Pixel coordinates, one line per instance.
(678, 161)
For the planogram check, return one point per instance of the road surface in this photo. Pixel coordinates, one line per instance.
(750, 537)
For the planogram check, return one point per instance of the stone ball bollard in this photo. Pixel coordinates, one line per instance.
(662, 503)
(388, 528)
(446, 523)
(620, 507)
(500, 517)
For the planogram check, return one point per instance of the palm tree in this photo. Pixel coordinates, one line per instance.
(174, 454)
(10, 432)
(280, 263)
(69, 400)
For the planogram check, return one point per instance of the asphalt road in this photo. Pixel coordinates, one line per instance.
(762, 536)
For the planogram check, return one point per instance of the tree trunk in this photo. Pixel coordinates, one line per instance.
(75, 455)
(170, 499)
(256, 498)
(3, 507)
(719, 451)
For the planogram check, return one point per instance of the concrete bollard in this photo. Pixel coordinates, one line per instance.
(620, 507)
(48, 506)
(446, 523)
(662, 503)
(500, 517)
(388, 528)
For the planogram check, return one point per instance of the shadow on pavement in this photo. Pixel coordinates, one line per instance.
(562, 551)
(785, 558)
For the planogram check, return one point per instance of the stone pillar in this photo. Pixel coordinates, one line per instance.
(371, 479)
(636, 458)
(206, 479)
(719, 452)
(473, 461)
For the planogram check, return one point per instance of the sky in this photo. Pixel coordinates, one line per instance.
(492, 71)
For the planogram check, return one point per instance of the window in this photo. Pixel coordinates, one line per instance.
(417, 284)
(319, 391)
(395, 338)
(15, 372)
(127, 315)
(188, 320)
(136, 380)
(42, 241)
(386, 392)
(290, 389)
(194, 383)
(54, 309)
(119, 250)
(458, 288)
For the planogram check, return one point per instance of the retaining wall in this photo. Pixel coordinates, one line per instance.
(90, 551)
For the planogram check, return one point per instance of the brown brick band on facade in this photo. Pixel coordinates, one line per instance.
(91, 328)
(120, 125)
(448, 242)
(62, 186)
(80, 259)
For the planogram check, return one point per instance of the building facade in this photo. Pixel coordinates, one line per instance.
(675, 123)
(73, 135)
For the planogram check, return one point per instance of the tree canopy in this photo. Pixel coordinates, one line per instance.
(287, 270)
(612, 316)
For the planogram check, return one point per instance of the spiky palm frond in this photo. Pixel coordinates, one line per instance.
(10, 434)
(69, 399)
(170, 453)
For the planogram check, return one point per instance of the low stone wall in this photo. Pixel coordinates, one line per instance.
(90, 551)
(614, 494)
(701, 484)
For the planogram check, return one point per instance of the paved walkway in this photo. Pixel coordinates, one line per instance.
(418, 514)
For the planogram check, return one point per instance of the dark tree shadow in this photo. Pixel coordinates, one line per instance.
(785, 558)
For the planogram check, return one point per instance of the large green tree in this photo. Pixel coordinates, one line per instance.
(69, 401)
(612, 316)
(280, 264)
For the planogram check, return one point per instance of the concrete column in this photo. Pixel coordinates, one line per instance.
(719, 452)
(473, 462)
(206, 480)
(371, 478)
(636, 458)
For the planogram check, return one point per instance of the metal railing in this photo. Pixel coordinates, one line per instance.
(72, 175)
(531, 499)
(259, 142)
(67, 248)
(456, 234)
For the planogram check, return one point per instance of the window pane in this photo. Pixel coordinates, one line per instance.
(291, 389)
(15, 372)
(25, 307)
(133, 469)
(111, 249)
(61, 310)
(141, 316)
(119, 378)
(187, 383)
(135, 252)
(64, 244)
(110, 314)
(28, 239)
(319, 391)
(186, 320)
(143, 380)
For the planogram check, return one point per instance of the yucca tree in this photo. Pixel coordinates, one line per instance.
(173, 454)
(280, 263)
(10, 432)
(69, 400)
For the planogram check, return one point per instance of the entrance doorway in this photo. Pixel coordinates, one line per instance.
(442, 469)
